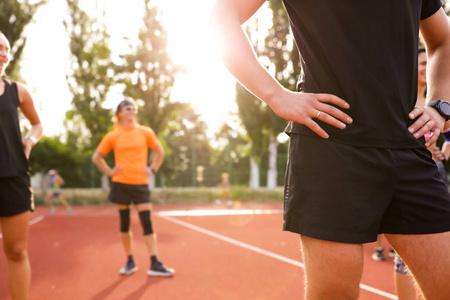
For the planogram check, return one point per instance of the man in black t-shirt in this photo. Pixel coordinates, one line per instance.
(358, 164)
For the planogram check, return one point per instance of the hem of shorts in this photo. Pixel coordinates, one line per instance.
(332, 238)
(16, 213)
(360, 239)
(420, 231)
(130, 203)
(130, 183)
(327, 234)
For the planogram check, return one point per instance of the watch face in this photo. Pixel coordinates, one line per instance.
(444, 106)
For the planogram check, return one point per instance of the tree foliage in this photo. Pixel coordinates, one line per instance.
(14, 17)
(149, 74)
(283, 58)
(92, 72)
(51, 153)
(231, 156)
(280, 56)
(189, 148)
(252, 112)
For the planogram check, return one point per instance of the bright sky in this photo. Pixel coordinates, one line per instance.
(207, 85)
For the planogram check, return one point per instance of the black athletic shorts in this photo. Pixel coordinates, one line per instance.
(16, 195)
(351, 194)
(127, 194)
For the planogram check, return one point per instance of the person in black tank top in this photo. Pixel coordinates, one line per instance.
(358, 163)
(15, 189)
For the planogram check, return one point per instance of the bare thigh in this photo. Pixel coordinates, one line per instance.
(144, 206)
(15, 233)
(333, 270)
(428, 258)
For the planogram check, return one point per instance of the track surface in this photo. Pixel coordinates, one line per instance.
(218, 253)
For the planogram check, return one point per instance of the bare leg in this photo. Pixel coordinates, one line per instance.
(150, 243)
(405, 286)
(63, 202)
(426, 256)
(15, 242)
(332, 270)
(48, 199)
(126, 237)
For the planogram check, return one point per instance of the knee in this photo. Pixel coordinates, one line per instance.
(146, 222)
(16, 252)
(124, 220)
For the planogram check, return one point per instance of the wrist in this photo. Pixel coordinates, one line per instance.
(153, 170)
(272, 95)
(32, 139)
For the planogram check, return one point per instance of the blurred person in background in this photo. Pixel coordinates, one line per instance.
(130, 142)
(56, 183)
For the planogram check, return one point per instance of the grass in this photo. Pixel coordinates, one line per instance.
(170, 195)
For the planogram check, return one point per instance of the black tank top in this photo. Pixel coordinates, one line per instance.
(13, 161)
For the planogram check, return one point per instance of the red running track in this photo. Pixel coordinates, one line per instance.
(218, 253)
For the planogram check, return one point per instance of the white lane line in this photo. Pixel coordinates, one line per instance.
(219, 212)
(264, 252)
(37, 219)
(32, 221)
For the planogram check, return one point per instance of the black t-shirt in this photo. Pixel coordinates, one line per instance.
(13, 161)
(365, 52)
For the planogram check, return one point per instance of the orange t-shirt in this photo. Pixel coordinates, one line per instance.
(130, 147)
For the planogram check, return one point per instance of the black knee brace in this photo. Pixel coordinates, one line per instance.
(146, 222)
(124, 220)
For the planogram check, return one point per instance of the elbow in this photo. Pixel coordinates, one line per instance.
(94, 157)
(162, 154)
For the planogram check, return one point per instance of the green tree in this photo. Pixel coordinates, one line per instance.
(92, 72)
(251, 112)
(280, 56)
(231, 154)
(91, 78)
(149, 74)
(189, 149)
(14, 17)
(51, 153)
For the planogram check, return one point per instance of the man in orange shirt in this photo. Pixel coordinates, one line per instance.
(130, 142)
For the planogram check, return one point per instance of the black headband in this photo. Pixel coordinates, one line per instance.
(124, 103)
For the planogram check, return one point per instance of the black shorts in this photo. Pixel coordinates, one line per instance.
(351, 194)
(127, 194)
(16, 195)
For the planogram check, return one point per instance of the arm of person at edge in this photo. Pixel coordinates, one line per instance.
(435, 32)
(443, 153)
(157, 161)
(446, 151)
(29, 111)
(240, 59)
(97, 159)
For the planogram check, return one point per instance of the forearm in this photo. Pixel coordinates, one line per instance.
(158, 160)
(101, 164)
(241, 60)
(239, 57)
(36, 131)
(435, 32)
(439, 73)
(446, 150)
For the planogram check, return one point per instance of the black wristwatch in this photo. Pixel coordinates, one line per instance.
(442, 107)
